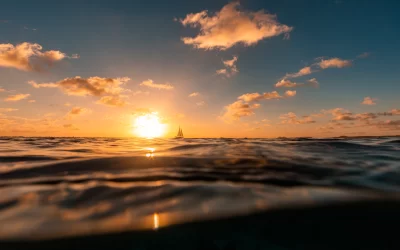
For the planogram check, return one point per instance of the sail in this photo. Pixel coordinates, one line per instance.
(180, 133)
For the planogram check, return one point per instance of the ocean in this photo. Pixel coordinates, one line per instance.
(129, 193)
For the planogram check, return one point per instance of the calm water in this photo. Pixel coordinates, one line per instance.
(58, 187)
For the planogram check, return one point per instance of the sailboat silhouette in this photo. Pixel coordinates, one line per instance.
(180, 134)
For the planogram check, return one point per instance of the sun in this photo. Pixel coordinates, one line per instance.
(149, 126)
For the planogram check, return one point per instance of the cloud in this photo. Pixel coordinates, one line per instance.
(313, 82)
(75, 111)
(7, 109)
(115, 101)
(239, 109)
(290, 93)
(139, 92)
(291, 118)
(32, 101)
(334, 63)
(230, 69)
(179, 116)
(28, 56)
(17, 97)
(202, 103)
(287, 84)
(194, 94)
(364, 55)
(231, 26)
(2, 90)
(67, 104)
(302, 72)
(70, 126)
(250, 97)
(151, 84)
(92, 86)
(369, 101)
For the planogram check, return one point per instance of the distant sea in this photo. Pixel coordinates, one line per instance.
(128, 193)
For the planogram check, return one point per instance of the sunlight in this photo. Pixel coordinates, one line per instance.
(149, 126)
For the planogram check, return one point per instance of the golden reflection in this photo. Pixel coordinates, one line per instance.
(155, 220)
(150, 152)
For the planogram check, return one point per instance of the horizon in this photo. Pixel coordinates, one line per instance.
(230, 69)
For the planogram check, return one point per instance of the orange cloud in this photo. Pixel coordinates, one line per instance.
(32, 101)
(230, 69)
(287, 84)
(250, 97)
(151, 84)
(291, 118)
(194, 94)
(17, 97)
(7, 109)
(290, 93)
(94, 86)
(239, 109)
(369, 101)
(70, 126)
(115, 101)
(2, 90)
(75, 111)
(302, 72)
(231, 26)
(29, 56)
(202, 103)
(334, 63)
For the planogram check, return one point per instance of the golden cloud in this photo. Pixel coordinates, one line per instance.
(115, 101)
(231, 26)
(29, 56)
(17, 97)
(149, 83)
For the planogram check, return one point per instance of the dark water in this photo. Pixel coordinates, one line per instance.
(209, 193)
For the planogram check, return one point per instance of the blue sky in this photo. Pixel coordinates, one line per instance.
(141, 40)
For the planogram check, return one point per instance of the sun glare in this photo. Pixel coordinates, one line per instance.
(149, 126)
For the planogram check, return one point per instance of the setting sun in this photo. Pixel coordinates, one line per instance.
(149, 126)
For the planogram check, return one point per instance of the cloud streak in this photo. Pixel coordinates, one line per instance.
(231, 26)
(149, 83)
(17, 97)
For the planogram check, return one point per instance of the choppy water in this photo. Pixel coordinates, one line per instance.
(58, 187)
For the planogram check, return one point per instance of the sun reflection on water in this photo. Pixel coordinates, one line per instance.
(155, 220)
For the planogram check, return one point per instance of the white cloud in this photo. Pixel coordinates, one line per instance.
(194, 94)
(149, 83)
(28, 56)
(231, 26)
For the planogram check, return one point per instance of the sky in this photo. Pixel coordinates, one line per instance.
(216, 68)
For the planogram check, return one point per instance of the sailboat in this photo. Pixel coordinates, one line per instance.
(180, 134)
